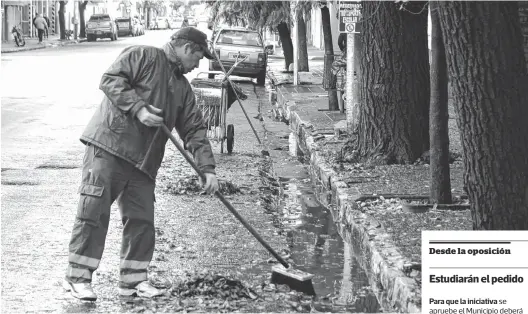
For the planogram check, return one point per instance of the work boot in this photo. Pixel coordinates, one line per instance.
(82, 291)
(143, 289)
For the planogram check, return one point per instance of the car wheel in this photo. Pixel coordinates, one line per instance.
(89, 38)
(261, 78)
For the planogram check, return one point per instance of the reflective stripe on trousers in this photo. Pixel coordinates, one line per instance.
(131, 278)
(105, 179)
(132, 273)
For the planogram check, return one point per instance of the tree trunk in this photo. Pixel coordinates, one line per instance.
(393, 122)
(488, 77)
(82, 8)
(303, 45)
(287, 45)
(523, 17)
(62, 21)
(147, 8)
(440, 191)
(329, 58)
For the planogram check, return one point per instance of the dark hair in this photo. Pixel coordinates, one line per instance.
(180, 42)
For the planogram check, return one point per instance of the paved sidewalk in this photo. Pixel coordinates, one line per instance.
(32, 43)
(309, 102)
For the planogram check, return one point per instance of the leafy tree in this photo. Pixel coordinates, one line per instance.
(303, 10)
(153, 5)
(488, 76)
(82, 8)
(393, 120)
(329, 53)
(440, 191)
(176, 4)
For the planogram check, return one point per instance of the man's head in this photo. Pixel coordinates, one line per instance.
(189, 45)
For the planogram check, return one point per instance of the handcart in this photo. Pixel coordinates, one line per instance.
(214, 97)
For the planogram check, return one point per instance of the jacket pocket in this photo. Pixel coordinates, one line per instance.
(119, 122)
(91, 203)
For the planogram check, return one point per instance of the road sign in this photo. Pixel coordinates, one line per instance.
(350, 17)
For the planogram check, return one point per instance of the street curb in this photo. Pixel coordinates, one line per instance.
(12, 50)
(49, 45)
(314, 58)
(379, 256)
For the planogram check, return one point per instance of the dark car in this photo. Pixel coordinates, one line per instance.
(125, 26)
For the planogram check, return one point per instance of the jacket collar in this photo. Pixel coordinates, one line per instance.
(175, 61)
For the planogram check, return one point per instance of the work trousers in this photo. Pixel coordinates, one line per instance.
(106, 178)
(40, 34)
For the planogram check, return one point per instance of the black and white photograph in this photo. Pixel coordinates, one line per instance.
(178, 156)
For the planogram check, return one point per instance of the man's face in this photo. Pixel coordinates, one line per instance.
(190, 60)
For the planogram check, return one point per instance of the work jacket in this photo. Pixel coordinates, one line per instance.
(40, 23)
(142, 75)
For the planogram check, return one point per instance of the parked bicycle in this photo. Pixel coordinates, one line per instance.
(17, 36)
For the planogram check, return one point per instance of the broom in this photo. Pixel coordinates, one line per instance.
(281, 274)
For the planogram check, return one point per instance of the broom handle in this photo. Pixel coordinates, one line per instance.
(226, 77)
(223, 200)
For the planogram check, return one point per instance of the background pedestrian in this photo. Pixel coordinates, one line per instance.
(41, 25)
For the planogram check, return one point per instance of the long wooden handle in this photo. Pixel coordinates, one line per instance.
(226, 77)
(223, 200)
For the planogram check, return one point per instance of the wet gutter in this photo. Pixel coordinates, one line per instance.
(377, 254)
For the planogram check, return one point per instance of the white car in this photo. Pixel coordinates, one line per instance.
(159, 22)
(176, 22)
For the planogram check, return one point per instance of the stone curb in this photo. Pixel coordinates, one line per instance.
(49, 45)
(277, 57)
(380, 257)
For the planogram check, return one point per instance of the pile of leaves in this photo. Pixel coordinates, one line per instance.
(190, 185)
(211, 285)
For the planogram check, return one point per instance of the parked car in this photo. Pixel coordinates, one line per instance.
(232, 42)
(101, 26)
(138, 27)
(176, 22)
(159, 22)
(125, 26)
(192, 21)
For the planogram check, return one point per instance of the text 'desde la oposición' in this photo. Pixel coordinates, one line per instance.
(474, 272)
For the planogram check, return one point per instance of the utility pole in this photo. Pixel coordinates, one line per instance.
(75, 19)
(349, 18)
(293, 5)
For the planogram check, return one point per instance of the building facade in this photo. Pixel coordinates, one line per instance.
(22, 12)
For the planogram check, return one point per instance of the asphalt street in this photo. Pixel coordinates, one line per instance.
(48, 96)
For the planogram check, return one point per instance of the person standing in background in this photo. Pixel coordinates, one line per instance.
(41, 26)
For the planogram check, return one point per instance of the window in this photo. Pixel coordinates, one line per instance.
(99, 18)
(243, 38)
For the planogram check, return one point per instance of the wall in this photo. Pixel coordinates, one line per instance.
(316, 35)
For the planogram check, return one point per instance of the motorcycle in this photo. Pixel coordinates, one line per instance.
(17, 36)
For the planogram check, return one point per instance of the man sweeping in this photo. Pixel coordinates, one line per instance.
(144, 88)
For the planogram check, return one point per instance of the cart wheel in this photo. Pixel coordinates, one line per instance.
(230, 138)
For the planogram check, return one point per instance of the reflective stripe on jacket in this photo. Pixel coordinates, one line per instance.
(142, 75)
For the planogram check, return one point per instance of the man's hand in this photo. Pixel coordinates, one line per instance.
(211, 183)
(150, 119)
